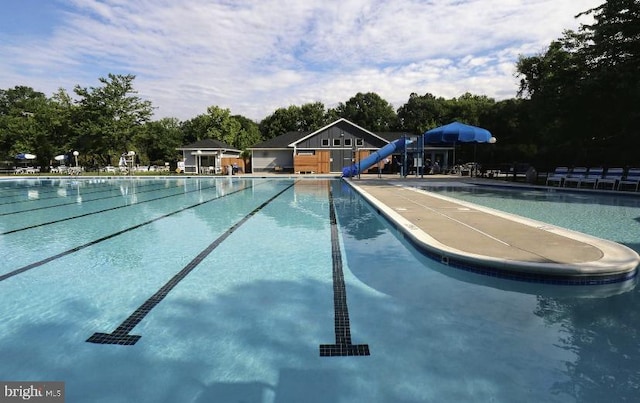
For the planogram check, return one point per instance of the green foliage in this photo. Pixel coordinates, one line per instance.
(422, 112)
(157, 141)
(249, 133)
(31, 123)
(217, 124)
(369, 111)
(110, 116)
(584, 90)
(305, 118)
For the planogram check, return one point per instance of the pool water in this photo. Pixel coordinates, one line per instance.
(79, 257)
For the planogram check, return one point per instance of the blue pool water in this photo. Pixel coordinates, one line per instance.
(245, 323)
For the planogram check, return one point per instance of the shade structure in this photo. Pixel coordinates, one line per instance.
(25, 156)
(457, 132)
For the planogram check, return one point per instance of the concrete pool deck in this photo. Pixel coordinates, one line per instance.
(481, 239)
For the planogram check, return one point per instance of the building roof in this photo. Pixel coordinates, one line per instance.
(335, 123)
(289, 139)
(281, 141)
(208, 144)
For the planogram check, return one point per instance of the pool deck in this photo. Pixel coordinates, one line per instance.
(485, 240)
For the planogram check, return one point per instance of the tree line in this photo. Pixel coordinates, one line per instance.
(576, 105)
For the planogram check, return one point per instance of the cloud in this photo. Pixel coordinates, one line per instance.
(255, 56)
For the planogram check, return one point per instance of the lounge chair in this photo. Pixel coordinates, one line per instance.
(592, 177)
(632, 178)
(612, 177)
(558, 176)
(575, 176)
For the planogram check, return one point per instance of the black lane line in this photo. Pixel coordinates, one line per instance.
(102, 211)
(85, 201)
(121, 334)
(343, 346)
(86, 191)
(86, 245)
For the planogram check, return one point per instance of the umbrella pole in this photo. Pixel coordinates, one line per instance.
(454, 155)
(475, 162)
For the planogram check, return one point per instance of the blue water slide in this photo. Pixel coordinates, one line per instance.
(384, 152)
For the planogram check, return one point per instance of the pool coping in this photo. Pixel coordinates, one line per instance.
(618, 262)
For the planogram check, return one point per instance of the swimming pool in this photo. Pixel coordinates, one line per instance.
(241, 277)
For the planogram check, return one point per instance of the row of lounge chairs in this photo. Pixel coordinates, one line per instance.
(595, 178)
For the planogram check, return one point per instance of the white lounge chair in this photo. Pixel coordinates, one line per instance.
(575, 176)
(592, 177)
(558, 176)
(611, 177)
(632, 178)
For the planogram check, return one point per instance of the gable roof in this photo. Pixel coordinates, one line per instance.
(333, 124)
(290, 139)
(208, 144)
(281, 141)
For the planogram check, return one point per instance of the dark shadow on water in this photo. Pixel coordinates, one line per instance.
(50, 350)
(245, 392)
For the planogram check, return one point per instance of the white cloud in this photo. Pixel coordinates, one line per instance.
(255, 56)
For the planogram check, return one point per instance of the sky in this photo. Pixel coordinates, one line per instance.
(255, 56)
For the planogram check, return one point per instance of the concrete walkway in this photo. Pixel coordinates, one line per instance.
(469, 235)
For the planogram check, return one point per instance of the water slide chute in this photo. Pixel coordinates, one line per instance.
(374, 158)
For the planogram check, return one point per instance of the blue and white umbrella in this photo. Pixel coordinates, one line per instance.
(25, 156)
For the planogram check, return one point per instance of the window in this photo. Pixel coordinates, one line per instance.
(347, 142)
(359, 142)
(336, 142)
(325, 142)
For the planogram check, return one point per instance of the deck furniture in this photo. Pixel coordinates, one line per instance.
(557, 176)
(611, 177)
(575, 176)
(632, 179)
(592, 177)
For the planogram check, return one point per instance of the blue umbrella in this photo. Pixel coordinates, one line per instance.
(457, 132)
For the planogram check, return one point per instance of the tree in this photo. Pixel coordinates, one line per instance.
(110, 116)
(612, 56)
(249, 133)
(369, 111)
(554, 82)
(158, 141)
(469, 108)
(282, 121)
(584, 89)
(422, 112)
(313, 116)
(217, 124)
(305, 118)
(31, 123)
